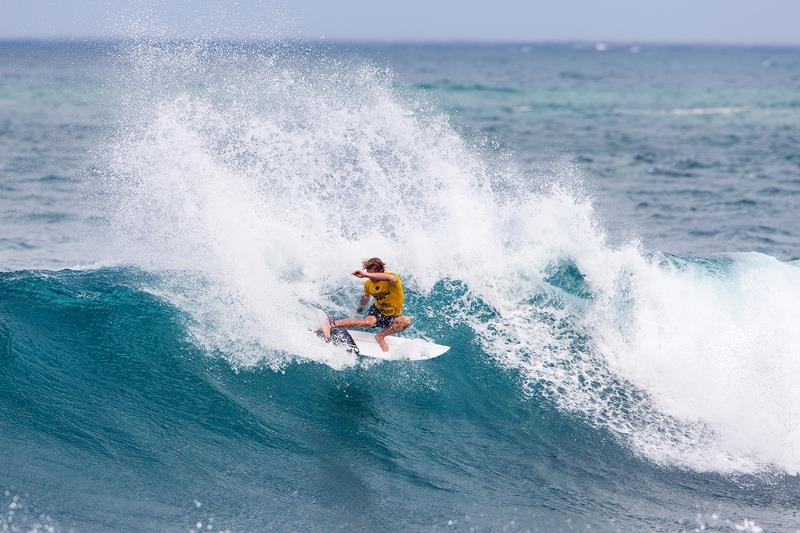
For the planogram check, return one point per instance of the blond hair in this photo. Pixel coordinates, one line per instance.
(374, 263)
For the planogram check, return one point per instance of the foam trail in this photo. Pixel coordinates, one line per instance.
(254, 179)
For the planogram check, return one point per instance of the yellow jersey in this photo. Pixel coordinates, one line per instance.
(388, 296)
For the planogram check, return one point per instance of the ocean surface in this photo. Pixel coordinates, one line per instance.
(607, 236)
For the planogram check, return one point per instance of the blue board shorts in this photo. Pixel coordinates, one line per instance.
(381, 320)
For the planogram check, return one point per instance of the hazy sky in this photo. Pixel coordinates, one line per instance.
(714, 21)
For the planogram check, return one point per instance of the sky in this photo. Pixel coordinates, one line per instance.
(668, 21)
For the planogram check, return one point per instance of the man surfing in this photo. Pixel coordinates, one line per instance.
(387, 311)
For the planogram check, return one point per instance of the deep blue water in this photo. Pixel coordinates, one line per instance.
(607, 240)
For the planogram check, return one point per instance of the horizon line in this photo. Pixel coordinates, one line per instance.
(407, 41)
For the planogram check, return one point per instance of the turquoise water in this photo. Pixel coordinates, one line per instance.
(607, 240)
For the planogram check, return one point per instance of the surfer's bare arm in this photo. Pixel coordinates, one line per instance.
(363, 303)
(375, 276)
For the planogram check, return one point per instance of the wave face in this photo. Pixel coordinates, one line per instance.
(591, 383)
(115, 418)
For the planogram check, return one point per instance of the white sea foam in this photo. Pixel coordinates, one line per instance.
(707, 111)
(255, 181)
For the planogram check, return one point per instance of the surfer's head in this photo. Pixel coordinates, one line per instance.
(373, 264)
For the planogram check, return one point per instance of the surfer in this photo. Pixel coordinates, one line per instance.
(387, 311)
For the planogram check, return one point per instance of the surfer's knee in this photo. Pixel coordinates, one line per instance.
(403, 321)
(369, 321)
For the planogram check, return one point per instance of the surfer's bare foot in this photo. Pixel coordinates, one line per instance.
(326, 330)
(382, 342)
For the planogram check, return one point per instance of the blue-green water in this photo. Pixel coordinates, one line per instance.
(607, 240)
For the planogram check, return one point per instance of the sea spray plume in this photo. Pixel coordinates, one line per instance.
(264, 195)
(253, 178)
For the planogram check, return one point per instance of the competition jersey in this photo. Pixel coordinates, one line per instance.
(388, 296)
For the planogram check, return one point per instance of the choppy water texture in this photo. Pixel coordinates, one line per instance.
(607, 240)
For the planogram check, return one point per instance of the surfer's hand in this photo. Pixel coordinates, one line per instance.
(360, 274)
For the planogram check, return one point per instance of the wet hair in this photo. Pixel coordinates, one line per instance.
(374, 263)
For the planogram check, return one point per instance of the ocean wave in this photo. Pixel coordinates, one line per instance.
(257, 199)
(96, 366)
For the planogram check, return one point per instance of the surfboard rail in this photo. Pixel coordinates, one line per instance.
(400, 348)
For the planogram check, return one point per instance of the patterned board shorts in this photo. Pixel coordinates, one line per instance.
(381, 320)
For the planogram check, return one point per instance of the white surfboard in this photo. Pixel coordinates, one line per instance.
(400, 348)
